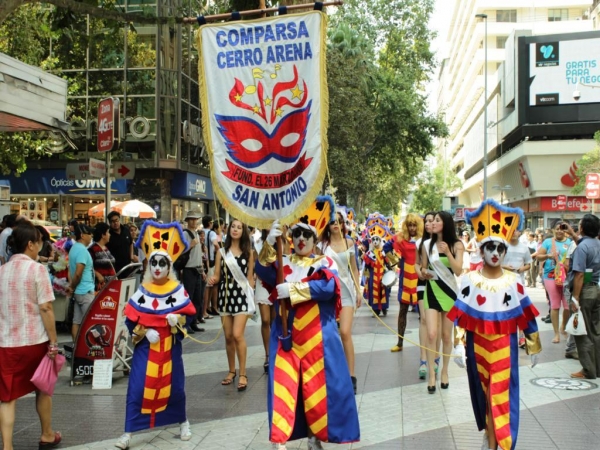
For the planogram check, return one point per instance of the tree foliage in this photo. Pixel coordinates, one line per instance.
(589, 163)
(432, 186)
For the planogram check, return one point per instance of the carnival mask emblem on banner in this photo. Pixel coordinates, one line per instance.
(264, 113)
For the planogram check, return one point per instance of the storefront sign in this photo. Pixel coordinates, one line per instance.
(108, 117)
(192, 186)
(592, 185)
(561, 202)
(55, 181)
(554, 204)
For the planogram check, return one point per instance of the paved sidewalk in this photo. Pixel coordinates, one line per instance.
(396, 412)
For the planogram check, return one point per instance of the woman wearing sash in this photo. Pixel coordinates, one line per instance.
(234, 275)
(335, 244)
(441, 260)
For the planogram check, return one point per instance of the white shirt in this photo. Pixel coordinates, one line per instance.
(196, 251)
(516, 257)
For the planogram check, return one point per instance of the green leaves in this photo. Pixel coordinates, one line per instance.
(589, 163)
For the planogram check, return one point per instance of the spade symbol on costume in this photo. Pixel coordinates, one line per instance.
(320, 206)
(165, 236)
(170, 301)
(508, 220)
(310, 271)
(480, 228)
(156, 245)
(506, 299)
(140, 300)
(466, 291)
(146, 248)
(496, 228)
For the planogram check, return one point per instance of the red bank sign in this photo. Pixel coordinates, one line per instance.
(560, 204)
(108, 120)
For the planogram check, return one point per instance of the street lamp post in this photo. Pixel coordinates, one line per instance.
(502, 189)
(485, 101)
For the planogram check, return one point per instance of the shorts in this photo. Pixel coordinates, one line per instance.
(556, 294)
(82, 304)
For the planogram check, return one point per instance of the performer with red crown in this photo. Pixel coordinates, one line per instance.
(155, 316)
(310, 391)
(491, 306)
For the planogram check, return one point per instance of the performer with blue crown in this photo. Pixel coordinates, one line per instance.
(156, 315)
(491, 306)
(310, 392)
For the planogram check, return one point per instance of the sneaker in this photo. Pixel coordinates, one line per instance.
(314, 443)
(423, 370)
(124, 441)
(278, 446)
(184, 431)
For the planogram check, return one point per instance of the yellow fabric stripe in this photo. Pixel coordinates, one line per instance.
(313, 370)
(168, 344)
(149, 393)
(502, 420)
(146, 411)
(300, 324)
(500, 399)
(490, 337)
(285, 366)
(309, 345)
(281, 423)
(281, 392)
(167, 368)
(161, 409)
(506, 442)
(314, 399)
(492, 357)
(165, 392)
(482, 370)
(318, 425)
(152, 370)
(501, 376)
(155, 347)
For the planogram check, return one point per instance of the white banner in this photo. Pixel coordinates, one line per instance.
(264, 113)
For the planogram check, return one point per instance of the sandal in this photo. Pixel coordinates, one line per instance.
(227, 381)
(242, 386)
(45, 444)
(266, 364)
(422, 370)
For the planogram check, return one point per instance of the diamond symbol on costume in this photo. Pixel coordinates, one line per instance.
(520, 288)
(497, 216)
(155, 304)
(466, 291)
(506, 298)
(508, 220)
(481, 299)
(156, 235)
(504, 231)
(496, 228)
(164, 245)
(480, 228)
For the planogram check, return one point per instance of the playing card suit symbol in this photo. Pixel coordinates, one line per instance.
(155, 304)
(156, 235)
(320, 206)
(164, 245)
(165, 236)
(480, 299)
(170, 301)
(504, 231)
(466, 291)
(496, 216)
(287, 270)
(520, 289)
(156, 245)
(508, 220)
(480, 228)
(146, 249)
(176, 248)
(496, 229)
(507, 298)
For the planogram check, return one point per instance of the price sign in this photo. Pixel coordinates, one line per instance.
(592, 185)
(561, 202)
(108, 124)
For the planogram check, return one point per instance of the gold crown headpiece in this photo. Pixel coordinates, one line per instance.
(494, 222)
(379, 230)
(167, 239)
(376, 218)
(318, 215)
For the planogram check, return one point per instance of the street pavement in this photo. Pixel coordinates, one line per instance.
(395, 410)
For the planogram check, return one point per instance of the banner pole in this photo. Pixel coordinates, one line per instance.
(282, 301)
(256, 12)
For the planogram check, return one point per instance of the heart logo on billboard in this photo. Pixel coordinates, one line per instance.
(547, 50)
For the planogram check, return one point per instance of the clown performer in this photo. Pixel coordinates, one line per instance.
(402, 250)
(156, 316)
(491, 305)
(376, 293)
(310, 392)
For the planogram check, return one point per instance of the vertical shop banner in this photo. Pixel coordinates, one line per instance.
(264, 113)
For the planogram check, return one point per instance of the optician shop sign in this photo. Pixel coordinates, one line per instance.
(192, 186)
(55, 181)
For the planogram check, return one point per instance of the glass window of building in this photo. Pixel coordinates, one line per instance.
(506, 15)
(557, 15)
(501, 41)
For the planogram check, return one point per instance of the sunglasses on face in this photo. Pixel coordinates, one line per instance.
(305, 233)
(493, 246)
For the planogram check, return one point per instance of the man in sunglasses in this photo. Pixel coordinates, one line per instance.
(310, 293)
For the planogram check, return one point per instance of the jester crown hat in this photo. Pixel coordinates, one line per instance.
(379, 230)
(317, 216)
(494, 222)
(165, 239)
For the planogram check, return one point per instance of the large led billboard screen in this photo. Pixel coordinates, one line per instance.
(564, 71)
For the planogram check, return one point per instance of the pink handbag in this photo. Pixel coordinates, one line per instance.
(46, 374)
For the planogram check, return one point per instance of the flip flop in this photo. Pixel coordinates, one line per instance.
(43, 445)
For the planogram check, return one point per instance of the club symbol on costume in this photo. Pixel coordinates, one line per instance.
(480, 228)
(171, 300)
(466, 291)
(496, 228)
(481, 299)
(506, 299)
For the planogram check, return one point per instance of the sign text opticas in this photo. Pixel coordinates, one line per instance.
(54, 181)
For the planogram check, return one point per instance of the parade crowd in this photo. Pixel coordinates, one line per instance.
(466, 280)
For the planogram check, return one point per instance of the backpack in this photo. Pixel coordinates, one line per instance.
(183, 259)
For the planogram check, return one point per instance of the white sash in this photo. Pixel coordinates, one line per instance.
(439, 268)
(350, 290)
(240, 278)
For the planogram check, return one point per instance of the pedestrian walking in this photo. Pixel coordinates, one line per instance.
(192, 274)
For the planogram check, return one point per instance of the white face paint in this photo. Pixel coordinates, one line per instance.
(376, 241)
(159, 267)
(493, 253)
(304, 241)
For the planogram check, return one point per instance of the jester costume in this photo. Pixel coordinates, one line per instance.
(309, 386)
(404, 252)
(375, 292)
(155, 394)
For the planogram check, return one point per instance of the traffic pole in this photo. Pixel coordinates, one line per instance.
(108, 183)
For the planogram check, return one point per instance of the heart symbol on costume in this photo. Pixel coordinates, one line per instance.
(175, 248)
(480, 299)
(156, 235)
(496, 216)
(466, 291)
(506, 298)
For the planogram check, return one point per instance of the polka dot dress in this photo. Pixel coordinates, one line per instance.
(232, 299)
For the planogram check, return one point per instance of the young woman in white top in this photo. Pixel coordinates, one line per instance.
(261, 296)
(335, 244)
